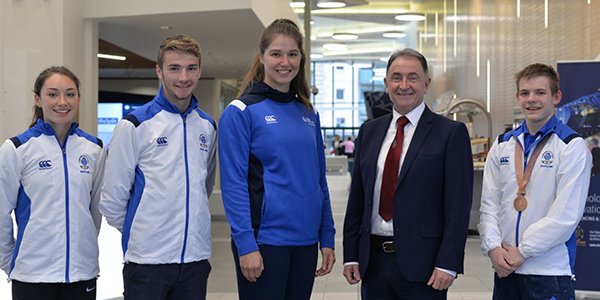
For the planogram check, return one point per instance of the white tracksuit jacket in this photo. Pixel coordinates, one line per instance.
(556, 194)
(160, 172)
(54, 192)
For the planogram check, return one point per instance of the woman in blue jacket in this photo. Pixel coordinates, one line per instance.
(273, 174)
(50, 177)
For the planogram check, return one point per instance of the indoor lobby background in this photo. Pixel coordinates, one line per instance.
(473, 47)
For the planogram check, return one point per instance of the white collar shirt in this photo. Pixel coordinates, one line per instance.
(378, 225)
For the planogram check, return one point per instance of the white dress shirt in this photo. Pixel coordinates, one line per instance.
(378, 225)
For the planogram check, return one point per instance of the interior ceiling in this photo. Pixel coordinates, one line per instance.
(228, 39)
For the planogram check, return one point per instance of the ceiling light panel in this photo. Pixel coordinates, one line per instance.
(113, 57)
(331, 4)
(394, 34)
(410, 17)
(344, 36)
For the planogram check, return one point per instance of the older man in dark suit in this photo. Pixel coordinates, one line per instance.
(408, 211)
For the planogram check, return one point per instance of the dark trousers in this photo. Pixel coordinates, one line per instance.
(533, 287)
(81, 290)
(383, 280)
(166, 281)
(289, 273)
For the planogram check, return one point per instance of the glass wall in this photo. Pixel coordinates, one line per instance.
(340, 100)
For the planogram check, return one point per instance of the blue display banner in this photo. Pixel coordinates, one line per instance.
(580, 109)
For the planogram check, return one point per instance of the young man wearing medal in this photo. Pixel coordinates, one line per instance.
(535, 186)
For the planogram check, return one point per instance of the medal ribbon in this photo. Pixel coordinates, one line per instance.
(523, 177)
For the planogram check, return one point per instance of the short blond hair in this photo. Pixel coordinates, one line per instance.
(180, 42)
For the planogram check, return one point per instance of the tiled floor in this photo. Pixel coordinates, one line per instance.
(475, 284)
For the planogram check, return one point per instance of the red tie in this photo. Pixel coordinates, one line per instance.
(390, 172)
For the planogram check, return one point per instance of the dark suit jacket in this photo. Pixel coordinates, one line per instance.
(432, 201)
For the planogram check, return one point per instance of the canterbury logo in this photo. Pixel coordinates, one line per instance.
(308, 121)
(162, 141)
(270, 119)
(45, 164)
(504, 160)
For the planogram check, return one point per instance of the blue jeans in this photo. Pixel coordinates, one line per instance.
(533, 287)
(166, 281)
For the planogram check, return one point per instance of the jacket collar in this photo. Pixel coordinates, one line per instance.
(549, 127)
(261, 88)
(165, 104)
(46, 128)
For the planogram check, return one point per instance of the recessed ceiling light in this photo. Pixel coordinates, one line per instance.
(165, 27)
(316, 55)
(394, 34)
(297, 4)
(344, 36)
(410, 17)
(384, 59)
(331, 4)
(335, 47)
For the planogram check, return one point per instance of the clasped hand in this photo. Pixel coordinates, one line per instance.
(506, 259)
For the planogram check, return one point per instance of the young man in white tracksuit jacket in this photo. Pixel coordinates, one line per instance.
(529, 232)
(159, 175)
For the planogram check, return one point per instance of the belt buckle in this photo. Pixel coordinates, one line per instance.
(388, 247)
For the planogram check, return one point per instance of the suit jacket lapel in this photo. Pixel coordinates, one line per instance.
(419, 137)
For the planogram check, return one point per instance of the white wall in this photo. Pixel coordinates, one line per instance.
(33, 36)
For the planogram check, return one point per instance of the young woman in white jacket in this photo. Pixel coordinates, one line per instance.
(50, 178)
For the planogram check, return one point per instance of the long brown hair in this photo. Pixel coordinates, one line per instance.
(39, 83)
(299, 84)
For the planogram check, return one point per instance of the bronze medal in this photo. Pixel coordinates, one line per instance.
(520, 202)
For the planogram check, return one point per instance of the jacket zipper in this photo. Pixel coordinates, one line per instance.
(187, 190)
(67, 217)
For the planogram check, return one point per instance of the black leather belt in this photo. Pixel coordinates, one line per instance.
(385, 243)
